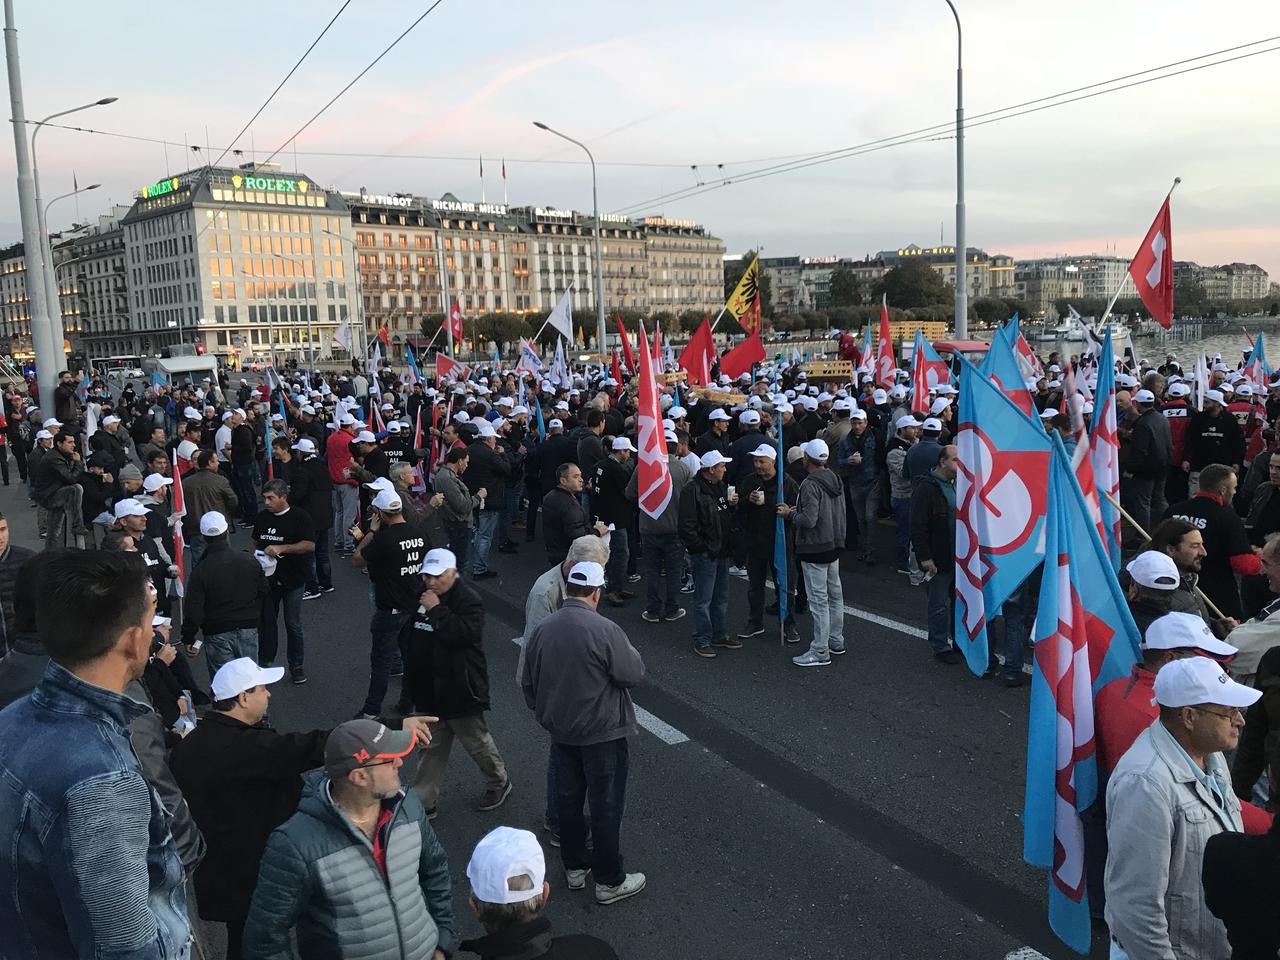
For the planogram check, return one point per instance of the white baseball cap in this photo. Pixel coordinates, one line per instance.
(364, 436)
(858, 414)
(186, 450)
(485, 429)
(305, 445)
(52, 423)
(676, 412)
(906, 420)
(939, 405)
(501, 855)
(1215, 395)
(308, 409)
(438, 561)
(346, 420)
(749, 417)
(394, 426)
(787, 408)
(1179, 390)
(816, 449)
(1048, 413)
(555, 423)
(622, 443)
(129, 508)
(387, 500)
(586, 573)
(1144, 396)
(236, 676)
(154, 481)
(191, 413)
(1154, 569)
(717, 414)
(109, 419)
(213, 524)
(1196, 680)
(878, 396)
(764, 450)
(1180, 631)
(43, 435)
(712, 458)
(380, 483)
(932, 424)
(898, 392)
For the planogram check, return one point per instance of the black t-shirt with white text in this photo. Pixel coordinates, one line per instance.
(291, 526)
(1224, 537)
(394, 559)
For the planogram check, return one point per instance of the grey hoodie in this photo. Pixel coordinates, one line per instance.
(820, 517)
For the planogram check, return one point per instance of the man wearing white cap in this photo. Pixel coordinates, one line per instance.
(1168, 795)
(820, 524)
(346, 488)
(706, 527)
(716, 436)
(1144, 465)
(933, 537)
(448, 678)
(611, 506)
(56, 487)
(758, 514)
(579, 670)
(509, 890)
(107, 439)
(205, 490)
(225, 596)
(1213, 436)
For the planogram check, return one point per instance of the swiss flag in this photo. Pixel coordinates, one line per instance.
(455, 320)
(884, 352)
(1152, 268)
(447, 369)
(654, 480)
(177, 511)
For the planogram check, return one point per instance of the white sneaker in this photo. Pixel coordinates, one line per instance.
(631, 884)
(576, 879)
(811, 659)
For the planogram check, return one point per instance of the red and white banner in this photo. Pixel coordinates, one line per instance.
(654, 483)
(455, 321)
(179, 544)
(1152, 268)
(696, 358)
(884, 352)
(447, 369)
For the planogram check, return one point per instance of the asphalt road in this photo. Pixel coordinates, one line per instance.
(868, 808)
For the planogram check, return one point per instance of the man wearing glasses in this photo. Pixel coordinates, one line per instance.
(1168, 795)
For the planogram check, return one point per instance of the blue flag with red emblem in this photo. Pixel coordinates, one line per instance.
(1000, 507)
(1079, 648)
(1001, 365)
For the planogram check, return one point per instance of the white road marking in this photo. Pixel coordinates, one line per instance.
(1025, 953)
(655, 725)
(659, 727)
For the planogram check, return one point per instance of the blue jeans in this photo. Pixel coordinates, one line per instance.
(346, 501)
(663, 565)
(710, 598)
(246, 479)
(320, 563)
(222, 648)
(486, 527)
(268, 635)
(902, 534)
(615, 572)
(941, 621)
(864, 501)
(384, 656)
(460, 544)
(510, 510)
(1019, 614)
(598, 775)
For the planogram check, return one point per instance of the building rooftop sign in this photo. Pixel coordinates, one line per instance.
(270, 184)
(168, 185)
(664, 222)
(465, 206)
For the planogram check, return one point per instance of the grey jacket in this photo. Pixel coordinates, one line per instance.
(820, 516)
(667, 523)
(579, 668)
(1159, 817)
(545, 597)
(458, 501)
(318, 874)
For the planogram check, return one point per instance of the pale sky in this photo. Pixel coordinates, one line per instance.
(663, 85)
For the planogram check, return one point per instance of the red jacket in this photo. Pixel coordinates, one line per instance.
(337, 450)
(1178, 414)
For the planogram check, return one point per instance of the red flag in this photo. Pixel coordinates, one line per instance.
(616, 372)
(884, 355)
(627, 353)
(419, 481)
(657, 349)
(455, 320)
(179, 511)
(447, 369)
(1152, 268)
(696, 358)
(654, 480)
(385, 336)
(740, 359)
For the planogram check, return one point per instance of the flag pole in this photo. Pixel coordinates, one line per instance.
(718, 316)
(1137, 526)
(1116, 296)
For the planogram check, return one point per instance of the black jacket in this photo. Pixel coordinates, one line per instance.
(311, 489)
(710, 440)
(740, 453)
(56, 470)
(933, 523)
(445, 661)
(1241, 876)
(104, 441)
(553, 451)
(533, 941)
(11, 562)
(760, 523)
(705, 519)
(563, 521)
(488, 469)
(225, 592)
(241, 782)
(1213, 440)
(1150, 446)
(609, 502)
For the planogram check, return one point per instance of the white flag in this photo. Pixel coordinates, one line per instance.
(1202, 380)
(374, 358)
(342, 335)
(529, 359)
(561, 317)
(559, 374)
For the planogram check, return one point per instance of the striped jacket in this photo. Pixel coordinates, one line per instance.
(318, 875)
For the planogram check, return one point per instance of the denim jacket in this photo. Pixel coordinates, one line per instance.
(88, 864)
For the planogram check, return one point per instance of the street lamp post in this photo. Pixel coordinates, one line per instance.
(962, 282)
(595, 212)
(51, 293)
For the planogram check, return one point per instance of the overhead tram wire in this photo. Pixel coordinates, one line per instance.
(939, 131)
(231, 146)
(391, 46)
